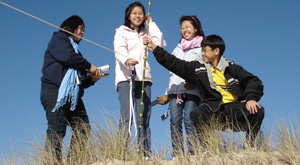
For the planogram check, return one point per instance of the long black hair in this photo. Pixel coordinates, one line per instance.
(195, 22)
(128, 10)
(71, 23)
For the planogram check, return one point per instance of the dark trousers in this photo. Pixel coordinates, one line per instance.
(234, 114)
(145, 131)
(58, 121)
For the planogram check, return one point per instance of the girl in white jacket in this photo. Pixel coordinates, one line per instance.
(129, 54)
(182, 95)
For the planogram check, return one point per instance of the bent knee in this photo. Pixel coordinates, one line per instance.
(194, 115)
(261, 112)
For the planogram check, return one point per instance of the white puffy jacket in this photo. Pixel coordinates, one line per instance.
(176, 83)
(128, 43)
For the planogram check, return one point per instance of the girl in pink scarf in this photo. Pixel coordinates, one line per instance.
(182, 96)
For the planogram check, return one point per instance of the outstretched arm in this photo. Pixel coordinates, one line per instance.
(183, 69)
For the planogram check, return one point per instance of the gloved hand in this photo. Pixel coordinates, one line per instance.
(188, 85)
(162, 100)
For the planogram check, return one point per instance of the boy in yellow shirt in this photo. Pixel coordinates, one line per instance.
(225, 88)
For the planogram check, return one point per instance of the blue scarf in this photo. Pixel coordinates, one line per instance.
(68, 90)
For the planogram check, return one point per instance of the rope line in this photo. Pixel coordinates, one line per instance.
(30, 15)
(145, 57)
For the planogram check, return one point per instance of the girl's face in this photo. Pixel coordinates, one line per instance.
(136, 16)
(187, 30)
(78, 31)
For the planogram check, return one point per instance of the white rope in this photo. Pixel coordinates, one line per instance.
(131, 108)
(60, 28)
(131, 100)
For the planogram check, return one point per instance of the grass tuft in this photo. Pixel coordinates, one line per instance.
(106, 144)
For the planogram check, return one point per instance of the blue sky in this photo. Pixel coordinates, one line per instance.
(261, 35)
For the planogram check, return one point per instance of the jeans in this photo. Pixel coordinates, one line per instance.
(236, 114)
(58, 121)
(145, 132)
(177, 113)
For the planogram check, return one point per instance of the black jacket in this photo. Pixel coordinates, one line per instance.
(59, 57)
(245, 85)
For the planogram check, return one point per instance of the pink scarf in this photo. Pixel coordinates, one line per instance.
(192, 43)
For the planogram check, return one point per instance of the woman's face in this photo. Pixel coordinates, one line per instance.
(136, 16)
(78, 31)
(187, 30)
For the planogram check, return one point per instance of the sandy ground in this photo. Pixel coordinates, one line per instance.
(243, 157)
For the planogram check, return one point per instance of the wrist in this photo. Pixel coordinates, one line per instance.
(93, 69)
(154, 47)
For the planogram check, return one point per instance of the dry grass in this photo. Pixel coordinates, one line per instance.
(107, 145)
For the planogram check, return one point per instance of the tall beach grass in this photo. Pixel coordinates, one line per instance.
(108, 145)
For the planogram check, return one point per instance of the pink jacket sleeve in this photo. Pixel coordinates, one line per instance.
(121, 52)
(156, 35)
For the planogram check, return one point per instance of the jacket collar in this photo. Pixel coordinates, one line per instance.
(223, 63)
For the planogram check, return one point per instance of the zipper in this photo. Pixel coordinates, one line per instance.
(141, 58)
(210, 79)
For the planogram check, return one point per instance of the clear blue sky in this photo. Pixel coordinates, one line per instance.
(261, 35)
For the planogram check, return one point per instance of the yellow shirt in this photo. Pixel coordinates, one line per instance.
(222, 86)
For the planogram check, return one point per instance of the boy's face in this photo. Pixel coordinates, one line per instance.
(209, 55)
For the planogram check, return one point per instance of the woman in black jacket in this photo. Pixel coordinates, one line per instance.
(62, 60)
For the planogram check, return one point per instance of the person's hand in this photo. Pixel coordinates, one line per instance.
(148, 41)
(130, 62)
(93, 69)
(188, 85)
(150, 19)
(97, 76)
(251, 106)
(162, 100)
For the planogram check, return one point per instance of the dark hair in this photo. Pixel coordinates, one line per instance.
(128, 10)
(71, 23)
(214, 42)
(195, 22)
